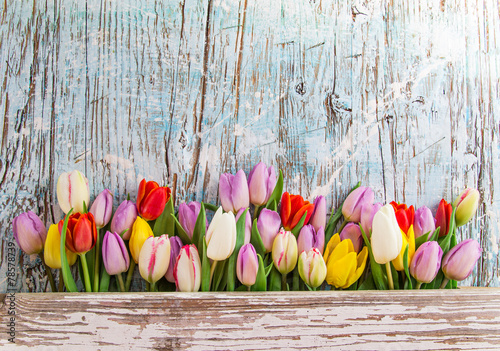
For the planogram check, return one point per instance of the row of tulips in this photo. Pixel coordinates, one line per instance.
(259, 239)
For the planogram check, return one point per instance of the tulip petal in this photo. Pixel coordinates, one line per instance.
(286, 210)
(225, 192)
(154, 203)
(309, 208)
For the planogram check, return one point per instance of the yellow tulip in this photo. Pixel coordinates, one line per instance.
(52, 249)
(343, 265)
(140, 232)
(408, 239)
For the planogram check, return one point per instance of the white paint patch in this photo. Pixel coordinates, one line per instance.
(114, 160)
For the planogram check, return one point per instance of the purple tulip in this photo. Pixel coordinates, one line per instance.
(233, 191)
(30, 232)
(353, 232)
(175, 249)
(114, 254)
(426, 262)
(459, 262)
(351, 209)
(101, 208)
(247, 265)
(124, 219)
(268, 224)
(367, 213)
(318, 218)
(309, 238)
(248, 224)
(188, 214)
(261, 183)
(423, 222)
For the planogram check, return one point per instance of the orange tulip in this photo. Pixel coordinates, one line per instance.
(81, 234)
(151, 199)
(293, 208)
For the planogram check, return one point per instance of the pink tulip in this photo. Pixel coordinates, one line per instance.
(268, 225)
(175, 249)
(351, 209)
(459, 262)
(124, 219)
(367, 213)
(423, 222)
(261, 183)
(426, 262)
(247, 265)
(102, 208)
(353, 232)
(114, 254)
(233, 191)
(154, 258)
(30, 232)
(318, 218)
(309, 238)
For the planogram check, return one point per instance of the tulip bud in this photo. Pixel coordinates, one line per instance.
(426, 263)
(140, 232)
(188, 214)
(29, 232)
(233, 191)
(386, 239)
(221, 236)
(248, 224)
(72, 191)
(151, 199)
(312, 267)
(261, 183)
(187, 270)
(351, 209)
(114, 254)
(424, 222)
(154, 258)
(268, 225)
(318, 218)
(285, 251)
(466, 205)
(443, 216)
(459, 262)
(292, 210)
(124, 219)
(309, 238)
(367, 213)
(81, 233)
(52, 249)
(175, 249)
(353, 232)
(247, 265)
(101, 208)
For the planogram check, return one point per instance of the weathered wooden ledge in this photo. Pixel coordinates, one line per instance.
(467, 318)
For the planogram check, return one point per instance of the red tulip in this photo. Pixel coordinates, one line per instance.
(293, 208)
(404, 215)
(151, 199)
(443, 216)
(81, 234)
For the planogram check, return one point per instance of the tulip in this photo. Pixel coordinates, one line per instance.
(81, 233)
(367, 213)
(352, 231)
(423, 222)
(114, 254)
(386, 239)
(248, 224)
(154, 258)
(426, 263)
(344, 266)
(261, 183)
(151, 199)
(140, 232)
(459, 262)
(188, 214)
(247, 265)
(101, 208)
(233, 191)
(52, 249)
(175, 249)
(293, 208)
(29, 232)
(443, 216)
(310, 238)
(351, 209)
(124, 219)
(187, 270)
(268, 225)
(72, 191)
(466, 205)
(221, 236)
(284, 251)
(408, 239)
(312, 267)
(404, 215)
(318, 217)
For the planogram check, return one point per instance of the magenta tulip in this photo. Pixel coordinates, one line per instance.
(124, 219)
(114, 254)
(426, 262)
(268, 224)
(261, 183)
(318, 218)
(188, 214)
(30, 232)
(459, 262)
(351, 209)
(423, 222)
(247, 265)
(175, 249)
(353, 232)
(309, 238)
(102, 208)
(367, 213)
(233, 191)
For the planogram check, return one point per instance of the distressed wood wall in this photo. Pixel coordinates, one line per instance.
(402, 95)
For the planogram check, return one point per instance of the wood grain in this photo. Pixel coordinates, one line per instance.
(403, 96)
(411, 320)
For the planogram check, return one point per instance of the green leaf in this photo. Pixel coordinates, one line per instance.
(298, 227)
(395, 277)
(377, 272)
(274, 206)
(205, 267)
(85, 210)
(69, 282)
(407, 271)
(210, 207)
(200, 228)
(274, 280)
(445, 243)
(277, 192)
(240, 239)
(268, 268)
(165, 224)
(368, 283)
(256, 239)
(105, 278)
(219, 272)
(260, 281)
(181, 233)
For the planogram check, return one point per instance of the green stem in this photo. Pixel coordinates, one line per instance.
(342, 225)
(61, 282)
(389, 275)
(130, 274)
(120, 282)
(85, 268)
(96, 262)
(148, 287)
(249, 288)
(212, 269)
(152, 287)
(418, 285)
(283, 282)
(443, 284)
(49, 273)
(255, 212)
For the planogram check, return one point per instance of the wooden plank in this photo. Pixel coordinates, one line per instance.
(347, 320)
